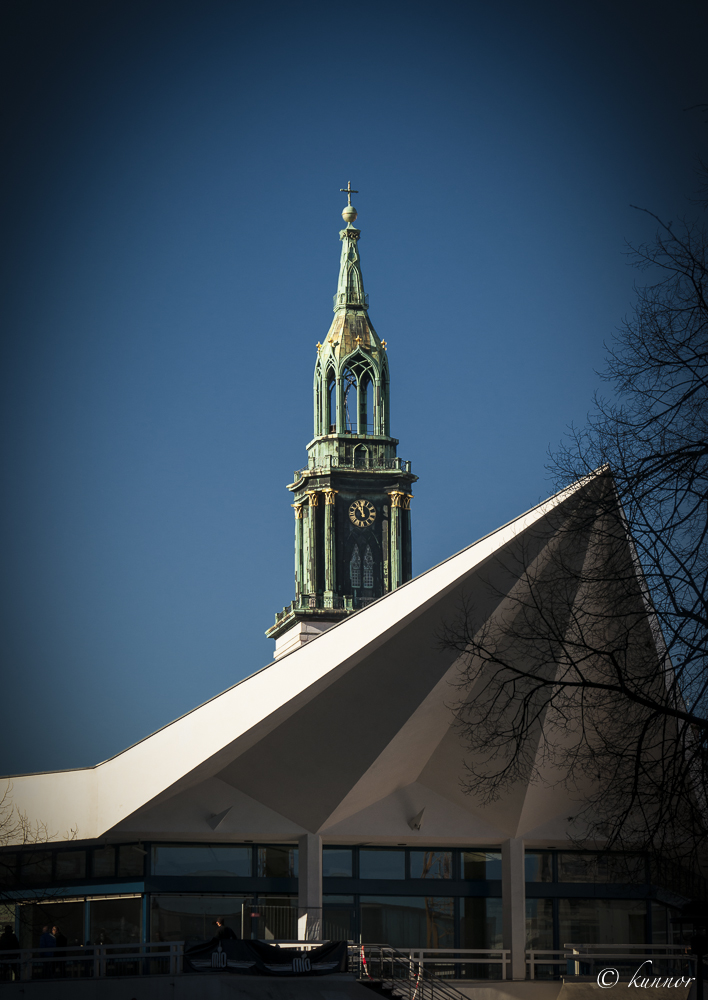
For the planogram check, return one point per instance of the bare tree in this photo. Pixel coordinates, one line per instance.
(18, 832)
(594, 671)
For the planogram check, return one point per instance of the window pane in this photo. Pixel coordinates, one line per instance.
(539, 924)
(664, 932)
(481, 865)
(71, 864)
(602, 921)
(192, 918)
(8, 868)
(336, 862)
(103, 864)
(600, 868)
(116, 921)
(481, 927)
(68, 918)
(204, 861)
(431, 864)
(408, 921)
(277, 862)
(381, 864)
(131, 861)
(338, 918)
(539, 866)
(35, 867)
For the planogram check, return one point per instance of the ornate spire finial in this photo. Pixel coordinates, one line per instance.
(349, 214)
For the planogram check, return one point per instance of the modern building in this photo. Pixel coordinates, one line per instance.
(321, 796)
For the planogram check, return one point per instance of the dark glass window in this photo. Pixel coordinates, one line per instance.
(381, 864)
(103, 862)
(71, 864)
(338, 918)
(431, 864)
(8, 868)
(116, 921)
(35, 867)
(481, 865)
(602, 921)
(481, 927)
(539, 923)
(337, 862)
(277, 862)
(131, 860)
(539, 866)
(192, 918)
(600, 867)
(408, 921)
(205, 861)
(68, 918)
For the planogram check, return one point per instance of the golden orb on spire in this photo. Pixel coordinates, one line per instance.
(349, 213)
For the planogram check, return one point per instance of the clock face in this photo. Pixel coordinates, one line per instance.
(362, 513)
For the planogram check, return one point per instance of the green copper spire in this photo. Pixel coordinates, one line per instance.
(352, 500)
(350, 287)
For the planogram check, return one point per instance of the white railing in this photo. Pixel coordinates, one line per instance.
(93, 961)
(450, 957)
(461, 956)
(588, 955)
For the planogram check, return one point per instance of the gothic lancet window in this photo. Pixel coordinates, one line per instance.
(349, 390)
(355, 567)
(366, 407)
(332, 403)
(368, 569)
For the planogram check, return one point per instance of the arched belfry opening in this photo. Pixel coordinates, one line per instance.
(366, 403)
(351, 499)
(331, 404)
(349, 400)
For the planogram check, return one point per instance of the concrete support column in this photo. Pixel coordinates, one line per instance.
(298, 550)
(309, 891)
(514, 905)
(330, 581)
(396, 561)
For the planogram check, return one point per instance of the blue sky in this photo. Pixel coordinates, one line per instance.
(171, 212)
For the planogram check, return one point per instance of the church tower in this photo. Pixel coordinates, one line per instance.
(352, 499)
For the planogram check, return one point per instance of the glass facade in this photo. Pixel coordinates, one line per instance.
(115, 921)
(197, 860)
(337, 862)
(192, 918)
(68, 917)
(539, 923)
(602, 921)
(381, 864)
(174, 892)
(408, 921)
(577, 867)
(539, 866)
(277, 862)
(481, 865)
(431, 864)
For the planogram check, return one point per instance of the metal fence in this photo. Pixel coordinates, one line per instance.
(92, 961)
(590, 959)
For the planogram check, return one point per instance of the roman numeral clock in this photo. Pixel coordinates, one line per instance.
(352, 500)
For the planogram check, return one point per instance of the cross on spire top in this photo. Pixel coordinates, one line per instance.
(349, 191)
